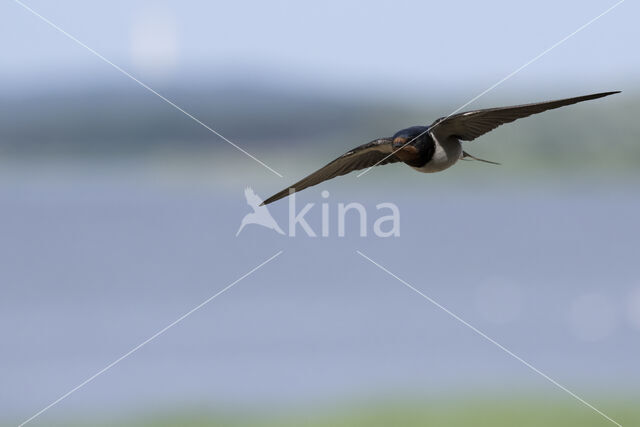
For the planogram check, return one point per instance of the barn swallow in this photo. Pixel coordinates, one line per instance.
(431, 148)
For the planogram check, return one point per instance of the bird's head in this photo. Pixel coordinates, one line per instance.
(408, 135)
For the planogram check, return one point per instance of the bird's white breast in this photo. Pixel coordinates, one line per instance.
(446, 154)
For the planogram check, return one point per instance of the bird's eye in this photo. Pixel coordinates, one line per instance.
(399, 141)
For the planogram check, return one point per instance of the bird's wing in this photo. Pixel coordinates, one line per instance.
(472, 124)
(364, 156)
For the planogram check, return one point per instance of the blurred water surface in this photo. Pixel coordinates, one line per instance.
(93, 263)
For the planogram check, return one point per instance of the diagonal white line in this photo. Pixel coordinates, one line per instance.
(499, 82)
(488, 338)
(146, 87)
(148, 340)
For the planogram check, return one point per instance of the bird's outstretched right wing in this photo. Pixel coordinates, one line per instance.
(376, 152)
(472, 124)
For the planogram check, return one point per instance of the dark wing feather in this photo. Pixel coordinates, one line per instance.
(472, 124)
(377, 152)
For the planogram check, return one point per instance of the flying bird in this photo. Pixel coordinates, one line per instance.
(428, 148)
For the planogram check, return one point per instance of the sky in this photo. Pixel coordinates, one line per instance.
(369, 45)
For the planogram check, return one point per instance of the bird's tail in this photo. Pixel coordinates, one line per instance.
(465, 155)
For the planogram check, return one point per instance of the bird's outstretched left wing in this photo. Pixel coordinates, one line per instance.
(472, 124)
(376, 152)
